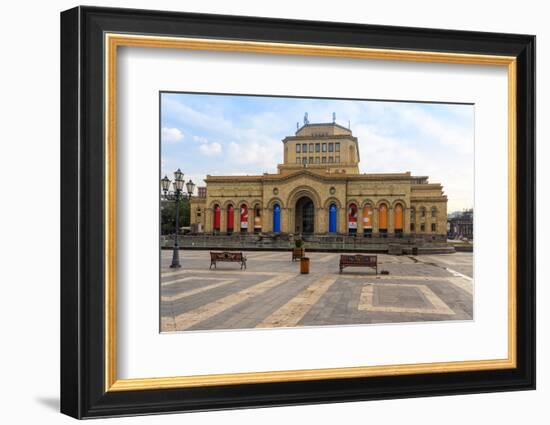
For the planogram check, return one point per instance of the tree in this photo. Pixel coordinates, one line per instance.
(168, 216)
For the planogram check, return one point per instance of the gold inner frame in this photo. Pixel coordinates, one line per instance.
(113, 41)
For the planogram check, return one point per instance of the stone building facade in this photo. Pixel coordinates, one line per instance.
(319, 190)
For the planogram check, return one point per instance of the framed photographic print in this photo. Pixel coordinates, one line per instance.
(261, 212)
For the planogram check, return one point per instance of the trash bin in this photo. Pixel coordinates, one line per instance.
(304, 265)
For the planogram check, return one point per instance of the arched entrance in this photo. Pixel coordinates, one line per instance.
(305, 215)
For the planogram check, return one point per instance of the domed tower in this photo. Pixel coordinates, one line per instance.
(326, 148)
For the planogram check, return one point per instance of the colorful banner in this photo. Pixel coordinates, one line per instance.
(244, 217)
(257, 219)
(352, 216)
(383, 217)
(367, 217)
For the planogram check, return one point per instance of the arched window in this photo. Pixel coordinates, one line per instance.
(257, 219)
(383, 218)
(398, 219)
(277, 218)
(422, 212)
(367, 221)
(332, 218)
(230, 219)
(217, 213)
(434, 212)
(244, 218)
(352, 218)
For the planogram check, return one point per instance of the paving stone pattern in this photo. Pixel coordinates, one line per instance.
(272, 293)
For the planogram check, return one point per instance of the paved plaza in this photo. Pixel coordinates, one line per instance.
(272, 293)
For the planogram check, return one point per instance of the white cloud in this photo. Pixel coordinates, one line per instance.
(200, 139)
(171, 134)
(211, 149)
(447, 133)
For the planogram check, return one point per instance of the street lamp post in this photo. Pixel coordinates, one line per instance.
(176, 195)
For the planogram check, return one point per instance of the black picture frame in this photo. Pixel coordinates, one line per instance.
(83, 392)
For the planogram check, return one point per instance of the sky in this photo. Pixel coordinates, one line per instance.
(237, 135)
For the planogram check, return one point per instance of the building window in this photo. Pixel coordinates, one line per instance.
(413, 213)
(331, 147)
(304, 148)
(330, 159)
(311, 147)
(338, 147)
(298, 160)
(434, 212)
(298, 148)
(337, 159)
(422, 227)
(324, 160)
(310, 160)
(422, 212)
(412, 227)
(317, 147)
(304, 160)
(324, 147)
(434, 227)
(317, 160)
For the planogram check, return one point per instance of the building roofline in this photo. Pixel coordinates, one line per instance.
(322, 123)
(332, 176)
(334, 136)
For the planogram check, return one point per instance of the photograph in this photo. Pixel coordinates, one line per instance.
(284, 212)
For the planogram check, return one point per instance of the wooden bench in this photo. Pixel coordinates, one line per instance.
(359, 260)
(227, 257)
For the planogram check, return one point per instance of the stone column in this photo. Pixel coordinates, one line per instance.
(237, 219)
(391, 223)
(342, 220)
(375, 229)
(285, 225)
(208, 220)
(287, 220)
(223, 220)
(267, 219)
(359, 220)
(321, 219)
(251, 219)
(406, 221)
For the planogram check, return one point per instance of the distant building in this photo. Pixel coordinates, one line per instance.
(460, 224)
(319, 190)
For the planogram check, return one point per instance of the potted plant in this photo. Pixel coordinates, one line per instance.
(299, 251)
